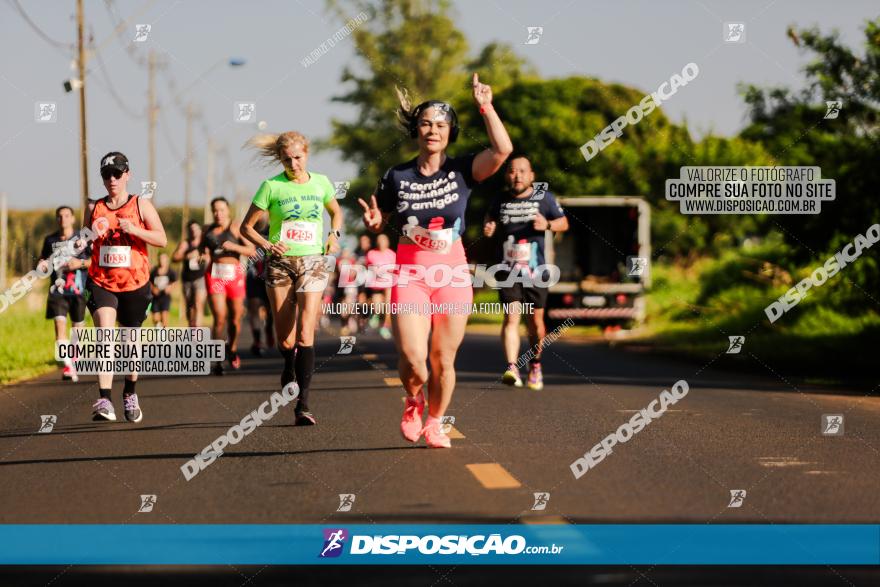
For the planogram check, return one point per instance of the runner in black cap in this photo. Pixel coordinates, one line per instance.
(119, 274)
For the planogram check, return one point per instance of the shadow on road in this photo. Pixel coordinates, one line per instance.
(187, 456)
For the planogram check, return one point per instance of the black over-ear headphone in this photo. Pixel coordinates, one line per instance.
(414, 120)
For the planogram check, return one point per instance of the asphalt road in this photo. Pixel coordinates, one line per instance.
(732, 431)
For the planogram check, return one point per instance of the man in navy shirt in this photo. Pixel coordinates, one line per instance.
(523, 214)
(69, 259)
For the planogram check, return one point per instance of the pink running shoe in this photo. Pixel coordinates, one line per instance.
(536, 377)
(434, 435)
(69, 373)
(411, 422)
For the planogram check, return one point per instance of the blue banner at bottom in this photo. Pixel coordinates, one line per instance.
(439, 544)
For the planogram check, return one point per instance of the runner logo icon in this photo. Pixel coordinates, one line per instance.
(637, 266)
(334, 539)
(736, 344)
(446, 424)
(245, 111)
(534, 33)
(48, 423)
(833, 109)
(735, 32)
(148, 188)
(539, 188)
(346, 345)
(832, 424)
(46, 112)
(541, 500)
(141, 32)
(147, 503)
(341, 188)
(737, 497)
(441, 114)
(346, 500)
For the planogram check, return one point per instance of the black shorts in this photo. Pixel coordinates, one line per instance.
(526, 294)
(161, 303)
(61, 306)
(131, 306)
(255, 287)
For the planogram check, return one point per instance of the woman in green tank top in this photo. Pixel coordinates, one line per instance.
(296, 269)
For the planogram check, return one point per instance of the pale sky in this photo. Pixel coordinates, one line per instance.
(638, 43)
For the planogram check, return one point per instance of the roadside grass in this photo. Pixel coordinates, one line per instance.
(27, 339)
(27, 349)
(486, 296)
(690, 314)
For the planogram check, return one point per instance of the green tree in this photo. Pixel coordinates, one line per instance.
(793, 128)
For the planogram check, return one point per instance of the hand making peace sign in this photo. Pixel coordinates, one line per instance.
(372, 214)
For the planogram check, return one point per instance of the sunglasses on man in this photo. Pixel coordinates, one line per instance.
(106, 173)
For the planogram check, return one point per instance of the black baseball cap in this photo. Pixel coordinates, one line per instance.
(114, 160)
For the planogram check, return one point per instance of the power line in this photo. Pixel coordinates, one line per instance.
(172, 89)
(96, 53)
(164, 126)
(111, 90)
(38, 30)
(119, 25)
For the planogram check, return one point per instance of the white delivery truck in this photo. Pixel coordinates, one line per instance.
(603, 259)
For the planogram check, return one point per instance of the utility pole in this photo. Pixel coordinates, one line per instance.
(209, 184)
(81, 63)
(151, 113)
(4, 239)
(239, 200)
(230, 187)
(187, 168)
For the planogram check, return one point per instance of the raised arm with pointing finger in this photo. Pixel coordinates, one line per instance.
(429, 195)
(489, 161)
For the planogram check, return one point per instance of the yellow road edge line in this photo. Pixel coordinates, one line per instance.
(454, 433)
(493, 476)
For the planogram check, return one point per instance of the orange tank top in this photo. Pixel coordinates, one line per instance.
(119, 260)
